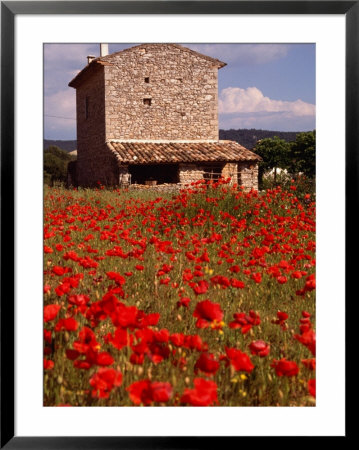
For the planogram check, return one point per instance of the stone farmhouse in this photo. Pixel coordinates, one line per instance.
(149, 114)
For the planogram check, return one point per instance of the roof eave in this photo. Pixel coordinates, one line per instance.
(75, 82)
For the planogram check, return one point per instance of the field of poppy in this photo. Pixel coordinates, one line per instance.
(205, 297)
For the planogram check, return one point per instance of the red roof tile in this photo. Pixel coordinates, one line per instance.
(149, 152)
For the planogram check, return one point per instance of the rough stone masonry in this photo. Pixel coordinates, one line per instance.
(155, 94)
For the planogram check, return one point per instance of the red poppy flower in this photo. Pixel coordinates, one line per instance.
(139, 267)
(296, 274)
(58, 270)
(183, 301)
(312, 387)
(120, 338)
(78, 300)
(282, 316)
(257, 277)
(116, 277)
(309, 363)
(146, 392)
(237, 283)
(47, 336)
(69, 324)
(259, 348)
(48, 364)
(245, 321)
(177, 339)
(201, 287)
(47, 289)
(308, 339)
(285, 368)
(239, 360)
(72, 354)
(161, 391)
(50, 312)
(207, 312)
(103, 381)
(207, 364)
(221, 281)
(281, 321)
(203, 394)
(86, 340)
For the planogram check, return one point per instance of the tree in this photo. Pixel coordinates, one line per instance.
(275, 154)
(302, 154)
(55, 164)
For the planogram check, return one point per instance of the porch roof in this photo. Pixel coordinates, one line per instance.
(162, 152)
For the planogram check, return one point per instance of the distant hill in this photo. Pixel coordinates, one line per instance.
(247, 138)
(67, 146)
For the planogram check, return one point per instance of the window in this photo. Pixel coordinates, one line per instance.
(147, 79)
(87, 106)
(147, 101)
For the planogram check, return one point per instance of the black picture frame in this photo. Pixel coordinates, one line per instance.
(9, 9)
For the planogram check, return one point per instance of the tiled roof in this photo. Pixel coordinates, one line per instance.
(157, 152)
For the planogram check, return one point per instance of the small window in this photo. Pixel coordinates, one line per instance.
(147, 101)
(87, 106)
(147, 79)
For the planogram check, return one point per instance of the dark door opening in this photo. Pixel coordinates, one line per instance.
(155, 173)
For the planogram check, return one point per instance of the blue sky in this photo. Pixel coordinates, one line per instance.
(263, 86)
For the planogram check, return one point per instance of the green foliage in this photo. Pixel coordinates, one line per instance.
(275, 154)
(55, 164)
(297, 157)
(302, 154)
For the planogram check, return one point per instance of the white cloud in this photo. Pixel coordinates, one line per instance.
(62, 103)
(252, 54)
(235, 100)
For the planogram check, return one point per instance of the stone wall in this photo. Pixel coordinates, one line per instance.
(180, 87)
(230, 171)
(190, 173)
(248, 175)
(90, 129)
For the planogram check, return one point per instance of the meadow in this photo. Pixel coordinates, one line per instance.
(204, 297)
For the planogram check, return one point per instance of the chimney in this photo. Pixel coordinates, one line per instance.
(103, 49)
(90, 58)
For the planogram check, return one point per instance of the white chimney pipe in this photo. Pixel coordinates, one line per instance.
(103, 49)
(90, 58)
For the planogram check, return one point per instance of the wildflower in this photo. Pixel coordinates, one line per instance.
(259, 348)
(50, 312)
(203, 394)
(144, 392)
(103, 381)
(48, 364)
(285, 368)
(239, 361)
(69, 324)
(312, 387)
(307, 338)
(207, 364)
(207, 312)
(245, 321)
